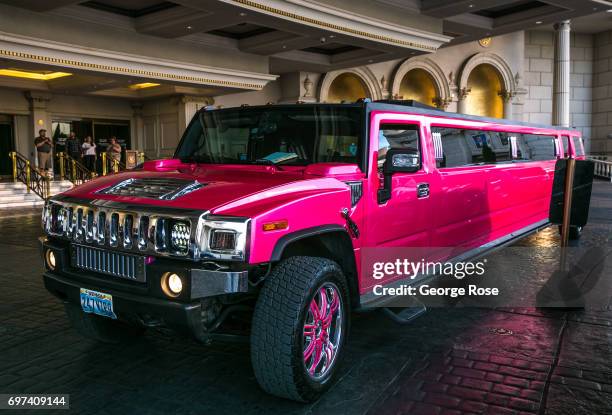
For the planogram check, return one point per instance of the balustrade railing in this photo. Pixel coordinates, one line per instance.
(35, 180)
(73, 170)
(603, 167)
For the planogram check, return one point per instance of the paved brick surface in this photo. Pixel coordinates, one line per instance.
(450, 361)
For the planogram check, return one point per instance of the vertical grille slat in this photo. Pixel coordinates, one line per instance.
(128, 231)
(118, 264)
(113, 236)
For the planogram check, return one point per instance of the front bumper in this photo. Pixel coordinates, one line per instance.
(145, 301)
(185, 318)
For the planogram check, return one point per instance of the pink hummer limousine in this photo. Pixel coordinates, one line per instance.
(258, 222)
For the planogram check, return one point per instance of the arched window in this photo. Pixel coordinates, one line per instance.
(420, 86)
(485, 84)
(347, 87)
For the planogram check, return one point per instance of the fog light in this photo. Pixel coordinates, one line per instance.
(172, 284)
(50, 258)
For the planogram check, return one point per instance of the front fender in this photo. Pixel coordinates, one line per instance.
(308, 213)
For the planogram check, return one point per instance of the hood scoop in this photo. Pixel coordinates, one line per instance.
(153, 188)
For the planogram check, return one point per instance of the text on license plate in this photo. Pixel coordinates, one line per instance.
(97, 303)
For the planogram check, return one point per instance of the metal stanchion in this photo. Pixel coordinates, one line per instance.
(13, 156)
(28, 175)
(567, 207)
(60, 155)
(103, 164)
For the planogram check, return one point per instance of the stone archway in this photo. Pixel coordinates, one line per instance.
(421, 79)
(349, 85)
(486, 86)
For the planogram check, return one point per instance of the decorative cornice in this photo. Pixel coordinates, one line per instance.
(506, 95)
(427, 41)
(73, 56)
(462, 93)
(441, 103)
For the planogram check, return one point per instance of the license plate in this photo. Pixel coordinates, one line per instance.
(97, 303)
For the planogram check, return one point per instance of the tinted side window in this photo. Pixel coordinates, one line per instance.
(461, 147)
(537, 147)
(404, 136)
(577, 141)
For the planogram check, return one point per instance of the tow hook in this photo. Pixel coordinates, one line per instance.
(352, 226)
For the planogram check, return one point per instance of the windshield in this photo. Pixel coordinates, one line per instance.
(297, 135)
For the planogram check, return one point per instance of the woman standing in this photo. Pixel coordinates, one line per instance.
(89, 153)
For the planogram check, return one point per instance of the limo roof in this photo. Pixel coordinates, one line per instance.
(414, 107)
(406, 106)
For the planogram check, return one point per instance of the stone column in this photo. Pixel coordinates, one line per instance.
(137, 127)
(507, 98)
(462, 94)
(188, 105)
(561, 75)
(40, 118)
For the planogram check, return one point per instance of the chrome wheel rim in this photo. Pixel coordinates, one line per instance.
(322, 331)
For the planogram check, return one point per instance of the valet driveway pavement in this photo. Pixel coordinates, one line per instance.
(449, 361)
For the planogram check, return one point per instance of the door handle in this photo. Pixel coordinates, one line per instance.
(422, 190)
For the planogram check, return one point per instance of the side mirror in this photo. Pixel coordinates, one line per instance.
(397, 160)
(401, 160)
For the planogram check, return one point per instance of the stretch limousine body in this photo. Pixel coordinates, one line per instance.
(259, 221)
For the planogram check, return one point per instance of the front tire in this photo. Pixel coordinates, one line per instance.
(98, 328)
(300, 324)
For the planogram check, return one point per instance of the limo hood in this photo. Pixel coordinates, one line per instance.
(220, 192)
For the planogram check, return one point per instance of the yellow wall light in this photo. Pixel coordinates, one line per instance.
(33, 75)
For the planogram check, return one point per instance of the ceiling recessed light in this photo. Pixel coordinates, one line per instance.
(370, 60)
(609, 10)
(44, 76)
(470, 6)
(143, 85)
(189, 27)
(539, 22)
(284, 46)
(333, 36)
(242, 14)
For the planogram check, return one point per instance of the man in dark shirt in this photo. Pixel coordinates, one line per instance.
(73, 146)
(43, 149)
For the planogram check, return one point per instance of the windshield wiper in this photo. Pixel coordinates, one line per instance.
(268, 163)
(193, 159)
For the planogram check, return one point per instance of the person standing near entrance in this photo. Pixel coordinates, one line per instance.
(114, 151)
(89, 153)
(43, 150)
(73, 146)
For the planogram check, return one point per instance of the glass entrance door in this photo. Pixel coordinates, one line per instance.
(7, 145)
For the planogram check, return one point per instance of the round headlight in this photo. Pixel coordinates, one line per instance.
(50, 258)
(172, 284)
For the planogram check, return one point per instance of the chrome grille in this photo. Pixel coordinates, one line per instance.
(117, 264)
(153, 188)
(132, 231)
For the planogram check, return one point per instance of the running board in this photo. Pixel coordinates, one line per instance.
(406, 315)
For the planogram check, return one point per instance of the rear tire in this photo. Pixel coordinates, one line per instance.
(98, 328)
(300, 325)
(575, 232)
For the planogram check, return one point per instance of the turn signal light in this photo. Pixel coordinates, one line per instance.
(274, 226)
